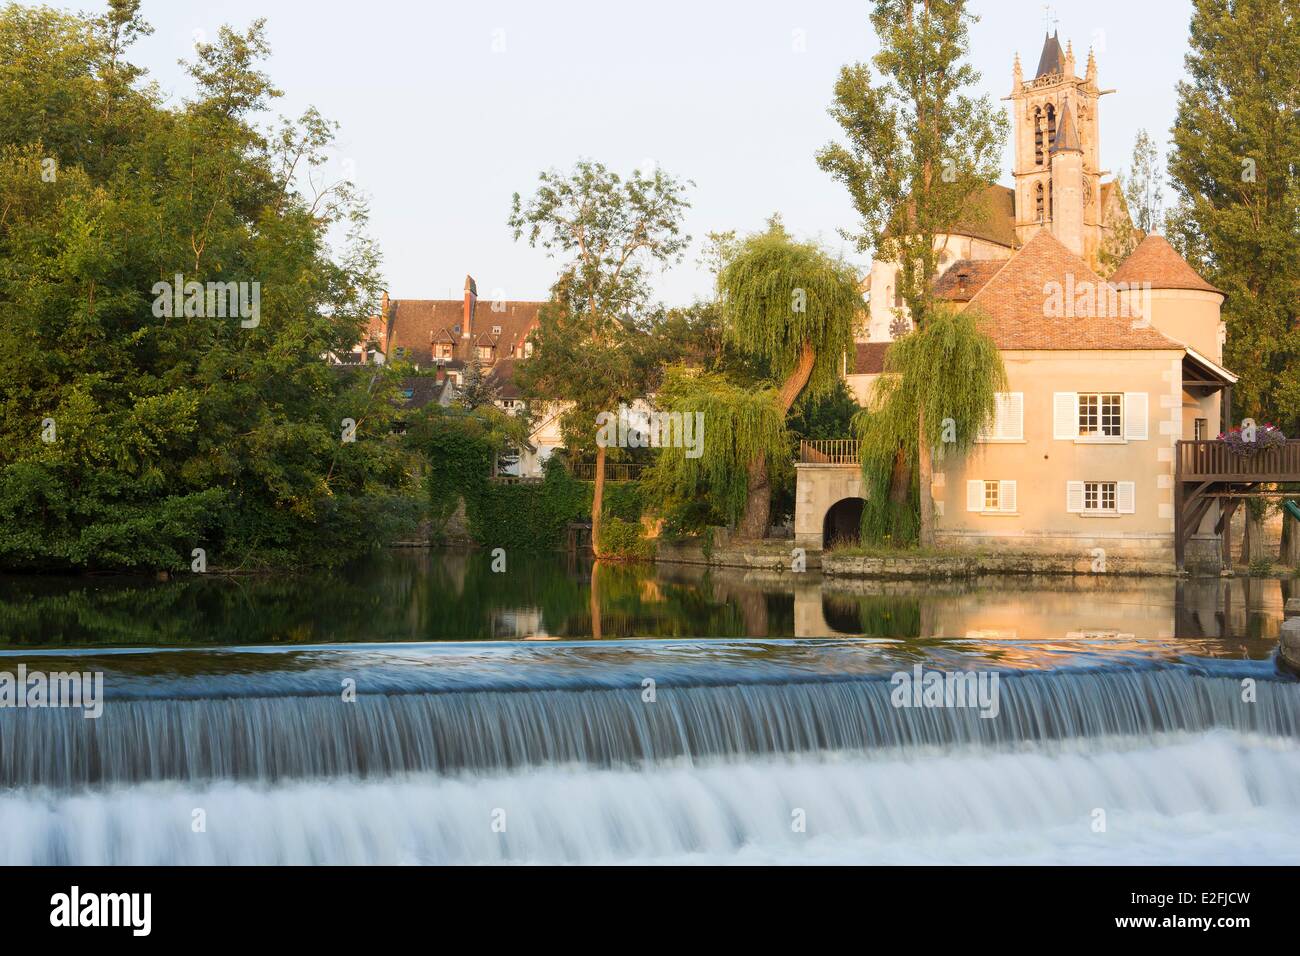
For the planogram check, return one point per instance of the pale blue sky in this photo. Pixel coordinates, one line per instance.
(440, 130)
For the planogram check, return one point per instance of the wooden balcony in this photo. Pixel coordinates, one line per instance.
(1214, 461)
(828, 451)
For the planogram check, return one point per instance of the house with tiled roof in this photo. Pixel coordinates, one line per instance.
(1100, 444)
(1058, 187)
(445, 337)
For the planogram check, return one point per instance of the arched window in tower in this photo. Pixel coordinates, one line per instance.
(1051, 126)
(1049, 199)
(898, 297)
(1038, 135)
(1038, 203)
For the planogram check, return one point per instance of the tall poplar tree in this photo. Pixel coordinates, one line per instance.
(919, 147)
(1235, 170)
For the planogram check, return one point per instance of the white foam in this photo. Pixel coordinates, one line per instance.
(1219, 797)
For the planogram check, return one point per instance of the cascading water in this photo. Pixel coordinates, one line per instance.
(656, 752)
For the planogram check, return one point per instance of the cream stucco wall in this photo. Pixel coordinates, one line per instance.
(1041, 465)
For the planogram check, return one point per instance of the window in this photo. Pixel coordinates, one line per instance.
(1039, 212)
(1051, 126)
(1008, 418)
(1201, 429)
(1099, 496)
(485, 353)
(1038, 137)
(991, 497)
(1101, 414)
(496, 330)
(898, 297)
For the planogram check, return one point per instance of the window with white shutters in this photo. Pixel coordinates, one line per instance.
(1008, 418)
(991, 497)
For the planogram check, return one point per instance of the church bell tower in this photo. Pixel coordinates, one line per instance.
(1057, 159)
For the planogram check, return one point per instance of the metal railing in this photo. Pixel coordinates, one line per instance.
(828, 451)
(614, 470)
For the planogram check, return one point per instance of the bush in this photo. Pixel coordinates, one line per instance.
(625, 541)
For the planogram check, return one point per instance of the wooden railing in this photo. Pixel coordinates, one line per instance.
(614, 470)
(828, 451)
(1214, 460)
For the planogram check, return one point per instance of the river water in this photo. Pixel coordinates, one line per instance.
(427, 709)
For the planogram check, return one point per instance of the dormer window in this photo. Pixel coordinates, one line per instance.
(496, 330)
(486, 353)
(442, 350)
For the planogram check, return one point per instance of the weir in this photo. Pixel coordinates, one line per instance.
(486, 729)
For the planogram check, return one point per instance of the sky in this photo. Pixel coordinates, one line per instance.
(447, 109)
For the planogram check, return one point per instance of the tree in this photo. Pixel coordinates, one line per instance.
(592, 349)
(952, 407)
(793, 307)
(478, 388)
(1233, 171)
(1144, 186)
(130, 436)
(918, 150)
(1142, 201)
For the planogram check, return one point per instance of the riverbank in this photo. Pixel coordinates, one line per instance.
(934, 564)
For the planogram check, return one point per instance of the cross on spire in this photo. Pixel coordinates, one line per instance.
(1049, 21)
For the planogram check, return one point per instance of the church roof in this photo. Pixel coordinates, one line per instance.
(1052, 59)
(990, 214)
(965, 277)
(1067, 136)
(1015, 304)
(1156, 262)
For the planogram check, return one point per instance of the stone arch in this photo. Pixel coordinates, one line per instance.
(842, 522)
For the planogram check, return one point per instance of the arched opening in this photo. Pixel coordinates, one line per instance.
(1038, 136)
(1051, 127)
(843, 523)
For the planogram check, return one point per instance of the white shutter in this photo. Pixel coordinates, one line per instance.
(1011, 416)
(1125, 497)
(974, 496)
(1007, 495)
(1074, 497)
(1135, 416)
(1065, 415)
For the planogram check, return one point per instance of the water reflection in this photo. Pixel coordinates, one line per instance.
(435, 596)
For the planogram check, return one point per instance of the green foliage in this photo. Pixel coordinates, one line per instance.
(918, 148)
(625, 500)
(948, 374)
(781, 296)
(178, 432)
(1233, 170)
(528, 517)
(740, 425)
(625, 540)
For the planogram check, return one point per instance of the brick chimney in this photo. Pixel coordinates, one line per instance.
(471, 297)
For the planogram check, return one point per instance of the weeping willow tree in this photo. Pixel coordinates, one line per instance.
(741, 424)
(791, 306)
(947, 375)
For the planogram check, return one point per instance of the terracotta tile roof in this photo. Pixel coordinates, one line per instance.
(503, 377)
(869, 358)
(965, 277)
(414, 324)
(1014, 305)
(1157, 262)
